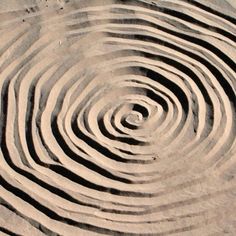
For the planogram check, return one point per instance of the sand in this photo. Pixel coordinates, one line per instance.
(118, 117)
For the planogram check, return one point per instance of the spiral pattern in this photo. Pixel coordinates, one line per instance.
(117, 117)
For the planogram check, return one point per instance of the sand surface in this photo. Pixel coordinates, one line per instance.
(118, 117)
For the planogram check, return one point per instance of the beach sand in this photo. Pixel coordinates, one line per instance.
(118, 117)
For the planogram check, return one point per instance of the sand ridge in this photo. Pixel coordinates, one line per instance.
(117, 117)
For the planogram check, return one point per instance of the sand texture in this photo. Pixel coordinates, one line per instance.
(118, 117)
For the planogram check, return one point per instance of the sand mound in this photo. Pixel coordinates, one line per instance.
(117, 117)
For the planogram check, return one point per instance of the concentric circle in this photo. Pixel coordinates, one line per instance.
(117, 117)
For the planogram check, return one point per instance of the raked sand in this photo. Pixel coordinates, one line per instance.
(118, 117)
